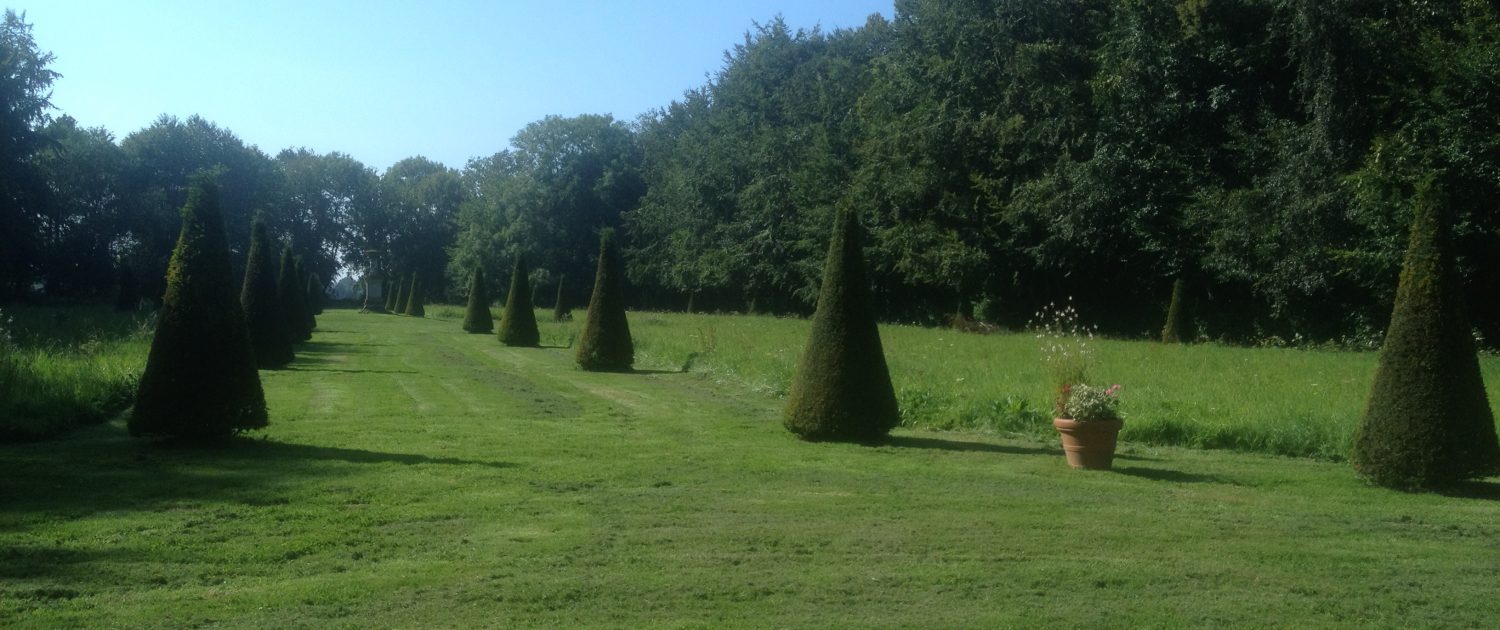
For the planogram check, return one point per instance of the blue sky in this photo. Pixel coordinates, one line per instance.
(383, 80)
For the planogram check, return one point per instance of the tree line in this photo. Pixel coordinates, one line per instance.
(1259, 154)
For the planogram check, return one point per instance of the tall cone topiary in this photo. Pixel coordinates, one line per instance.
(200, 378)
(314, 294)
(290, 295)
(842, 388)
(264, 317)
(560, 310)
(414, 298)
(398, 296)
(1176, 328)
(605, 344)
(477, 318)
(518, 323)
(1427, 421)
(309, 321)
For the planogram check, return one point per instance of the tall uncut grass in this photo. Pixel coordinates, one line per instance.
(66, 367)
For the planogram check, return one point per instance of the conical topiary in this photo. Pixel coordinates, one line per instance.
(518, 323)
(309, 321)
(1176, 329)
(127, 294)
(560, 310)
(264, 317)
(398, 296)
(314, 294)
(200, 378)
(289, 294)
(477, 318)
(605, 344)
(414, 298)
(1427, 421)
(842, 389)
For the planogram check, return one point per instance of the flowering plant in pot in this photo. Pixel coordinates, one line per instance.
(1087, 417)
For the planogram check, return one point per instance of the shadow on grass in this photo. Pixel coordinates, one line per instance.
(1481, 490)
(656, 372)
(103, 469)
(1163, 474)
(907, 441)
(295, 368)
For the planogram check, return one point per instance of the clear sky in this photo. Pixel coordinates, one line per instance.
(382, 80)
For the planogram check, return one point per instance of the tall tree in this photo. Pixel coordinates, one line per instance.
(25, 98)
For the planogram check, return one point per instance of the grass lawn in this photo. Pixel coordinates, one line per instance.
(417, 476)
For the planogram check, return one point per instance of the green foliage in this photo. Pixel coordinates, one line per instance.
(605, 344)
(842, 388)
(399, 291)
(561, 312)
(1178, 328)
(314, 294)
(414, 297)
(127, 294)
(292, 297)
(477, 318)
(1428, 420)
(304, 280)
(25, 89)
(265, 317)
(518, 323)
(72, 367)
(200, 378)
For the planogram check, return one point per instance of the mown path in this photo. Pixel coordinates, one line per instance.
(416, 476)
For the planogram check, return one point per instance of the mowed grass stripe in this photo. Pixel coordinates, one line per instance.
(690, 506)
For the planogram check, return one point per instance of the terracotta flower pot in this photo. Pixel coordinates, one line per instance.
(1089, 445)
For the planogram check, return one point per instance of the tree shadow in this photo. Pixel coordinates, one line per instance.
(655, 372)
(1480, 490)
(907, 441)
(294, 368)
(1163, 474)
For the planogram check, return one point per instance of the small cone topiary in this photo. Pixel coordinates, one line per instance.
(1427, 421)
(477, 318)
(1176, 329)
(518, 323)
(127, 294)
(398, 296)
(309, 321)
(414, 298)
(605, 344)
(289, 292)
(264, 316)
(842, 388)
(200, 379)
(560, 310)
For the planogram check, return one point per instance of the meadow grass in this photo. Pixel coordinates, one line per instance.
(417, 476)
(66, 367)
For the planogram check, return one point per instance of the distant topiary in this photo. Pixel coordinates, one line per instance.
(309, 321)
(314, 294)
(1177, 328)
(518, 323)
(1427, 421)
(560, 310)
(398, 296)
(127, 294)
(842, 388)
(264, 317)
(477, 318)
(605, 345)
(200, 378)
(414, 298)
(289, 294)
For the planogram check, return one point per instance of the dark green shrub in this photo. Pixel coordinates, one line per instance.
(314, 294)
(1427, 421)
(1178, 326)
(264, 317)
(560, 310)
(127, 294)
(397, 303)
(290, 294)
(414, 298)
(518, 323)
(200, 378)
(842, 388)
(477, 318)
(605, 344)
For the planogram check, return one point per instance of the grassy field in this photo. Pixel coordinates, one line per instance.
(416, 476)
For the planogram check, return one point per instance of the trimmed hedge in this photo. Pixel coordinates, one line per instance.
(264, 316)
(605, 344)
(477, 318)
(518, 322)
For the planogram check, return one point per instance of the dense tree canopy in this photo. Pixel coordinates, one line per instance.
(1004, 154)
